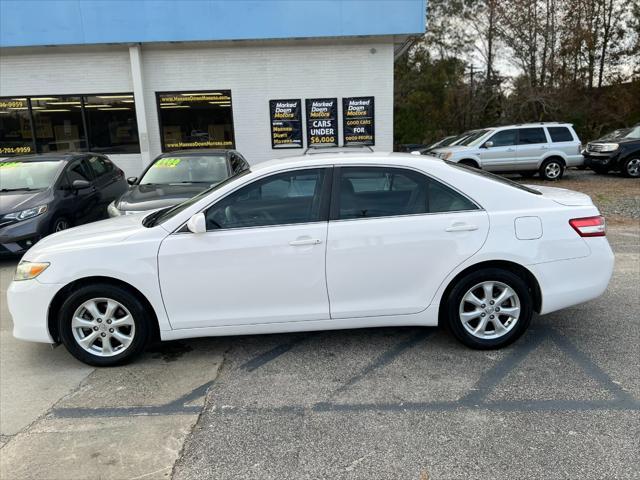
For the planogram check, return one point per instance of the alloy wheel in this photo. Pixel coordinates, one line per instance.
(489, 310)
(103, 327)
(552, 170)
(633, 167)
(60, 225)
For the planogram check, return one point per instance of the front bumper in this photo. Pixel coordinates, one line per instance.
(18, 237)
(565, 283)
(602, 160)
(29, 302)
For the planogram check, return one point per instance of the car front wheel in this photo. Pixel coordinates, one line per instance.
(103, 325)
(489, 308)
(631, 168)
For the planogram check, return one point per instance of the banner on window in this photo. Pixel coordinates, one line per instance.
(358, 127)
(322, 122)
(286, 123)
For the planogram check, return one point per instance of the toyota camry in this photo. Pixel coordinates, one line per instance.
(331, 241)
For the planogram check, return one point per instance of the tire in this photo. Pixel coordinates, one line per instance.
(519, 303)
(59, 224)
(469, 163)
(129, 313)
(600, 170)
(631, 167)
(552, 169)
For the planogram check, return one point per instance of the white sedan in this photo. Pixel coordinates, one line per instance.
(319, 242)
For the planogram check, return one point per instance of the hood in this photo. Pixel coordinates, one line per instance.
(563, 196)
(152, 197)
(22, 199)
(94, 234)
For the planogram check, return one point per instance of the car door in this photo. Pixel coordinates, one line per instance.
(83, 202)
(500, 154)
(394, 236)
(262, 259)
(532, 147)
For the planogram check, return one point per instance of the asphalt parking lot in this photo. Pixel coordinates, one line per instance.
(563, 402)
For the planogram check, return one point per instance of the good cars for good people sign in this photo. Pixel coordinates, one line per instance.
(358, 125)
(286, 123)
(322, 121)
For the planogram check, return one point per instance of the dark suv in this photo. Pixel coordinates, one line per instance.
(618, 151)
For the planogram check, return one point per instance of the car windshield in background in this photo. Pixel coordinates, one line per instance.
(187, 169)
(16, 175)
(491, 176)
(632, 133)
(472, 137)
(163, 215)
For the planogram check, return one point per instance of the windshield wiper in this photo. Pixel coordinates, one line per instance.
(26, 189)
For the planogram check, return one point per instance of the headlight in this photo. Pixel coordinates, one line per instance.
(112, 210)
(608, 147)
(26, 214)
(29, 270)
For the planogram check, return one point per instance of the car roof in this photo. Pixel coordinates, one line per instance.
(46, 157)
(198, 151)
(350, 158)
(538, 124)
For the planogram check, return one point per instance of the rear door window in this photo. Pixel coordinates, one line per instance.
(529, 136)
(560, 134)
(79, 170)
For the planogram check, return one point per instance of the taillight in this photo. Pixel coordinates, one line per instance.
(589, 226)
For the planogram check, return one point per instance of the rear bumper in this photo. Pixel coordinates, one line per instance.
(564, 283)
(28, 302)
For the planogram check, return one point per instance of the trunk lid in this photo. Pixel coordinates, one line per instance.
(563, 196)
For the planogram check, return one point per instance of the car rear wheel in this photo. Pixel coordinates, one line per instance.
(631, 168)
(489, 308)
(552, 169)
(103, 325)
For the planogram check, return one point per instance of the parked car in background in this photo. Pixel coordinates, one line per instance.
(43, 194)
(175, 177)
(544, 148)
(618, 151)
(440, 143)
(318, 242)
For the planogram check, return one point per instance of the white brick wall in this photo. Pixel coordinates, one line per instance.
(255, 72)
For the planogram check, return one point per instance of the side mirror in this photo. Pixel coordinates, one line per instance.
(197, 223)
(80, 184)
(488, 144)
(132, 180)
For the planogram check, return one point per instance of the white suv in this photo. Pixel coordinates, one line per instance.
(547, 148)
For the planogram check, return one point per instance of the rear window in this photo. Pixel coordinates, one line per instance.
(560, 134)
(495, 178)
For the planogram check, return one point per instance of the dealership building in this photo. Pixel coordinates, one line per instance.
(135, 79)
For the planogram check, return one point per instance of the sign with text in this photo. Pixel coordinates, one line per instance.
(358, 127)
(286, 123)
(322, 122)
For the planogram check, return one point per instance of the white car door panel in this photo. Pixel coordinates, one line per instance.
(394, 265)
(244, 276)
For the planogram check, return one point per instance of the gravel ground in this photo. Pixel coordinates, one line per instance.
(617, 197)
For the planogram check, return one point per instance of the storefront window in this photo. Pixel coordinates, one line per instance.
(58, 124)
(111, 123)
(196, 119)
(16, 136)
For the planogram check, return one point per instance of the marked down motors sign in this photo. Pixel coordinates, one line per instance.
(358, 127)
(286, 123)
(322, 122)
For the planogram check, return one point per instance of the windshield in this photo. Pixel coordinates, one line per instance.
(491, 176)
(16, 175)
(472, 137)
(632, 133)
(161, 216)
(187, 169)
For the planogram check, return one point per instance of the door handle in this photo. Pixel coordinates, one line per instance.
(305, 241)
(461, 227)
